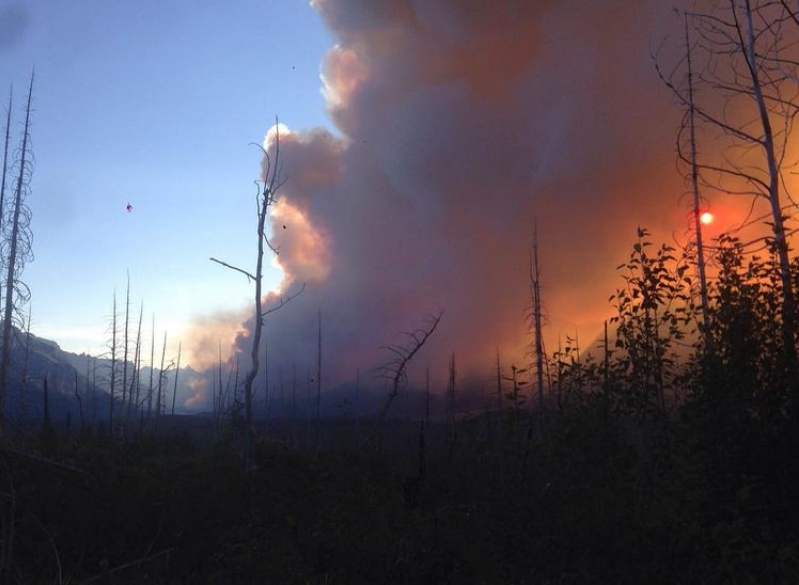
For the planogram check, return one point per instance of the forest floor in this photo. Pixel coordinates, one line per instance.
(586, 499)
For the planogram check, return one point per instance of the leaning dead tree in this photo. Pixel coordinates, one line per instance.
(743, 93)
(16, 248)
(268, 188)
(395, 369)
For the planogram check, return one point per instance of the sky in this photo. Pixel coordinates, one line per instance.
(152, 103)
(423, 141)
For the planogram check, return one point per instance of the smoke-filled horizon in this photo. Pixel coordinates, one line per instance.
(459, 124)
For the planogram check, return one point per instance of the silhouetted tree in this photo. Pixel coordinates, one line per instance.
(135, 379)
(112, 375)
(268, 188)
(159, 403)
(537, 319)
(5, 169)
(16, 249)
(396, 369)
(749, 59)
(177, 373)
(125, 348)
(23, 388)
(151, 390)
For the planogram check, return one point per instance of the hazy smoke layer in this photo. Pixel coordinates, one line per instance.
(458, 123)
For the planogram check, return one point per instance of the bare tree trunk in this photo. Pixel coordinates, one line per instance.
(15, 259)
(152, 371)
(80, 401)
(427, 397)
(94, 389)
(177, 373)
(788, 301)
(283, 431)
(89, 392)
(256, 337)
(230, 393)
(293, 418)
(125, 395)
(451, 405)
(113, 374)
(697, 210)
(266, 383)
(5, 166)
(605, 362)
(535, 280)
(319, 381)
(135, 381)
(25, 374)
(236, 382)
(499, 383)
(159, 402)
(271, 184)
(218, 396)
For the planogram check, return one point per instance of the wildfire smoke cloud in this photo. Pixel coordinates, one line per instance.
(459, 122)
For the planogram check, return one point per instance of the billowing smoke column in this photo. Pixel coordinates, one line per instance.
(460, 122)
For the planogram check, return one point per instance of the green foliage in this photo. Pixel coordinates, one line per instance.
(733, 366)
(749, 377)
(651, 312)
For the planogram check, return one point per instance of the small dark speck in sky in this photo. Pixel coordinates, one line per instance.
(14, 20)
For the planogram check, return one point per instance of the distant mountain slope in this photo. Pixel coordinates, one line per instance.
(34, 360)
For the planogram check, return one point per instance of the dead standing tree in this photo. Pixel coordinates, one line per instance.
(396, 369)
(5, 167)
(268, 188)
(689, 124)
(536, 319)
(16, 249)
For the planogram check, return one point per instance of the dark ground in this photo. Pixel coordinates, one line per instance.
(587, 499)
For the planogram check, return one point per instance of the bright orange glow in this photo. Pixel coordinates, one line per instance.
(304, 255)
(706, 218)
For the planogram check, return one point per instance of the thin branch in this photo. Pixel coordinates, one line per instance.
(283, 301)
(226, 265)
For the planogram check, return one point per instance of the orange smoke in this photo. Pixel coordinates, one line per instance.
(208, 335)
(459, 124)
(343, 73)
(302, 251)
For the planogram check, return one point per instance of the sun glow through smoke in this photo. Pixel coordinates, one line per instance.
(385, 217)
(706, 218)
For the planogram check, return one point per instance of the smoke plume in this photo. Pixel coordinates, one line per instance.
(458, 123)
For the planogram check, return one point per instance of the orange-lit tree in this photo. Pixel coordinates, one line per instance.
(748, 57)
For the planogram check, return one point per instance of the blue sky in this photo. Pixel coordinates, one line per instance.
(153, 103)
